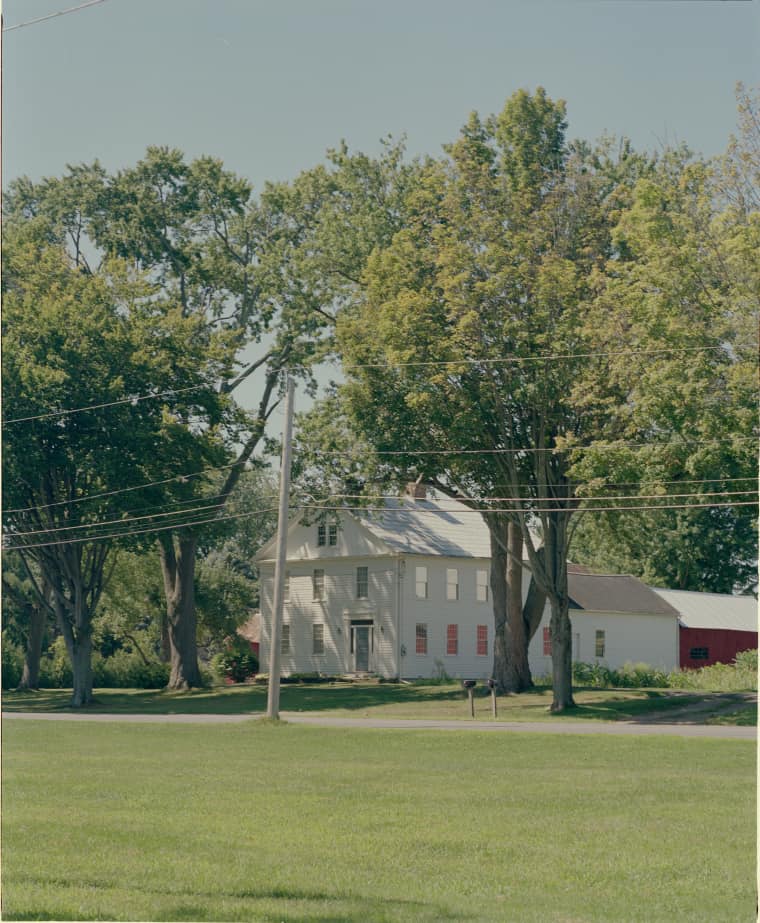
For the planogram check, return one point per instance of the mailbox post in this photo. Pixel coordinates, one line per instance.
(492, 687)
(469, 685)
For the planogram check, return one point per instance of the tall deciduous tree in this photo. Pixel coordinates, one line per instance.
(76, 338)
(495, 266)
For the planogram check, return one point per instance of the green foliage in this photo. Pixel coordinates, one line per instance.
(55, 667)
(236, 661)
(736, 677)
(12, 663)
(127, 670)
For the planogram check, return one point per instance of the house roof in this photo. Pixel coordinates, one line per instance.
(429, 527)
(712, 610)
(613, 593)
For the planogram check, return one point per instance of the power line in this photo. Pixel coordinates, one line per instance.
(73, 9)
(128, 520)
(519, 359)
(463, 361)
(122, 490)
(127, 400)
(569, 448)
(361, 509)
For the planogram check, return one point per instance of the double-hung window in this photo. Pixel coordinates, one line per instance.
(332, 534)
(318, 638)
(481, 586)
(322, 534)
(452, 583)
(599, 643)
(285, 639)
(362, 582)
(421, 582)
(318, 584)
(482, 641)
(452, 640)
(420, 633)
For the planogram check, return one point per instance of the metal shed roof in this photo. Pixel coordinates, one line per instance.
(712, 610)
(613, 593)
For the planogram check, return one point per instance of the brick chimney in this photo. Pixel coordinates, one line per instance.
(416, 491)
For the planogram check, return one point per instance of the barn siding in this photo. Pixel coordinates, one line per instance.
(722, 645)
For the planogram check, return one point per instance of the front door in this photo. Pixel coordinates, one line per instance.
(361, 648)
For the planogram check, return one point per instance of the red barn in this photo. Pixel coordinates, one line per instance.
(713, 627)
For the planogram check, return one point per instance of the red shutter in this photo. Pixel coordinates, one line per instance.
(547, 642)
(482, 640)
(452, 639)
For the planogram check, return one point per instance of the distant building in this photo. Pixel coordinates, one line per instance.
(405, 592)
(713, 627)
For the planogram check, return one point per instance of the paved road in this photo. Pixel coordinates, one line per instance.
(534, 727)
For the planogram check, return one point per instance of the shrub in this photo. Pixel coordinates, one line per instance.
(746, 660)
(127, 670)
(236, 662)
(55, 667)
(12, 663)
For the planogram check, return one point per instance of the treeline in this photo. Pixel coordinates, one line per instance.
(560, 333)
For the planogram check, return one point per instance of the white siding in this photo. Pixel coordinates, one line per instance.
(629, 637)
(437, 612)
(339, 606)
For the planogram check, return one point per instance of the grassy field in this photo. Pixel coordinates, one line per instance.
(262, 822)
(372, 699)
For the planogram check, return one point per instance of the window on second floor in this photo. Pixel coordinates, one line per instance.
(421, 582)
(318, 584)
(481, 586)
(362, 582)
(321, 534)
(332, 534)
(452, 583)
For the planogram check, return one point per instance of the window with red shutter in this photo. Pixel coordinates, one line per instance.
(547, 642)
(452, 640)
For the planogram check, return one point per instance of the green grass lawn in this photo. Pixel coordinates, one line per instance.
(382, 700)
(263, 822)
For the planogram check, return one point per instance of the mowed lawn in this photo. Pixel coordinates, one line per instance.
(263, 822)
(377, 700)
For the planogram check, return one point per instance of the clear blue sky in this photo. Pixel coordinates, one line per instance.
(268, 85)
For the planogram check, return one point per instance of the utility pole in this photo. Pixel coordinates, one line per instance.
(273, 697)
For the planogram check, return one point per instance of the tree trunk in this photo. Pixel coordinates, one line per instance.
(178, 568)
(562, 654)
(511, 670)
(81, 665)
(30, 676)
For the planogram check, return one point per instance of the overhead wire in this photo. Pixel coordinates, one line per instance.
(73, 9)
(412, 363)
(363, 509)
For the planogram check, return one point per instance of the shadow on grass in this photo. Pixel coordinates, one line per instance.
(232, 700)
(200, 905)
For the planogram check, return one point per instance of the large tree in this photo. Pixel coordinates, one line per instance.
(495, 268)
(94, 339)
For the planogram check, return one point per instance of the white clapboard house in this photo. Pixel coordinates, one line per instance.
(404, 592)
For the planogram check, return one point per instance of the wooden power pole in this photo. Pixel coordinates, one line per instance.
(275, 634)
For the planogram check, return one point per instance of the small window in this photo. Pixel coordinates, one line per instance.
(332, 534)
(481, 586)
(547, 642)
(318, 584)
(452, 583)
(321, 534)
(599, 643)
(482, 648)
(421, 582)
(452, 640)
(699, 653)
(318, 638)
(420, 632)
(286, 590)
(285, 639)
(362, 582)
